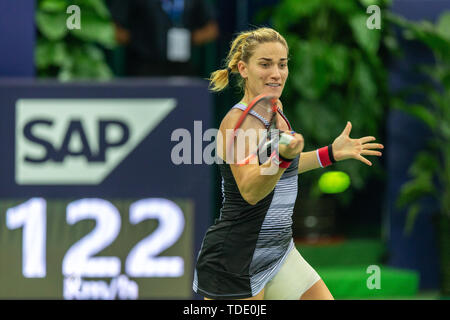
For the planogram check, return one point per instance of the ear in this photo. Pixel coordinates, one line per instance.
(242, 68)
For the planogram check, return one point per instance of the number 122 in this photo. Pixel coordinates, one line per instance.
(79, 260)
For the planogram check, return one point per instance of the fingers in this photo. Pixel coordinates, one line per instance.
(373, 146)
(286, 138)
(294, 147)
(299, 142)
(367, 139)
(363, 160)
(368, 152)
(347, 129)
(371, 153)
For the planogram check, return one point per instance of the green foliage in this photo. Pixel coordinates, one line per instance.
(78, 53)
(336, 74)
(430, 170)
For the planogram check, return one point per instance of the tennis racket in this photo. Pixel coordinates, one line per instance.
(266, 107)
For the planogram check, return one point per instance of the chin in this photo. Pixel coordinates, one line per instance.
(274, 91)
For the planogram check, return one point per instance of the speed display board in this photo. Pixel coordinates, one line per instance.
(144, 244)
(91, 205)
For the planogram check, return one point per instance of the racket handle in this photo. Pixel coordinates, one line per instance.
(285, 138)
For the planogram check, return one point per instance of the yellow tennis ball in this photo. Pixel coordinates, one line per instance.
(334, 182)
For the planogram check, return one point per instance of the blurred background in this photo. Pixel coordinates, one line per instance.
(91, 92)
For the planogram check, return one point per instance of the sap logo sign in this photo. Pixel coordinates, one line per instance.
(80, 141)
(74, 131)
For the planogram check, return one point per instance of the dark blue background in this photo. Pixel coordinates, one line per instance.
(17, 38)
(405, 137)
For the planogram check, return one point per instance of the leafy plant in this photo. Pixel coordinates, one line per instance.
(336, 74)
(430, 170)
(78, 53)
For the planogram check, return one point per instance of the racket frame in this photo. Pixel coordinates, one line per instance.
(263, 145)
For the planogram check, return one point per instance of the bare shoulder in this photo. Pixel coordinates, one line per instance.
(232, 117)
(228, 134)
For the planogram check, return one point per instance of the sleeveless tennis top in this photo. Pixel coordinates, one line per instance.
(245, 247)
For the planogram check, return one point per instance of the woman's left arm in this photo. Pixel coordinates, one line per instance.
(308, 161)
(344, 148)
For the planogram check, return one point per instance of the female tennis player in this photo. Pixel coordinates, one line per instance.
(249, 253)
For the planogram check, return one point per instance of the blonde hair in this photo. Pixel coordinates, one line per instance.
(242, 48)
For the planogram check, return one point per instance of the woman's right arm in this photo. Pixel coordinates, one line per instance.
(252, 185)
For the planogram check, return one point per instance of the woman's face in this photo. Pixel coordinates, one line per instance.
(266, 70)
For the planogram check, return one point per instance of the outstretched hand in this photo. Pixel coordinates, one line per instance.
(345, 147)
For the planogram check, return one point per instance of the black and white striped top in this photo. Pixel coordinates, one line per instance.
(245, 247)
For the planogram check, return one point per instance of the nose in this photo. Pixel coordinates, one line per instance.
(275, 74)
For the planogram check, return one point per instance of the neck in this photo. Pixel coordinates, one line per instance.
(247, 97)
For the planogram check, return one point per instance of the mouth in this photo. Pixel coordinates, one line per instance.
(273, 85)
